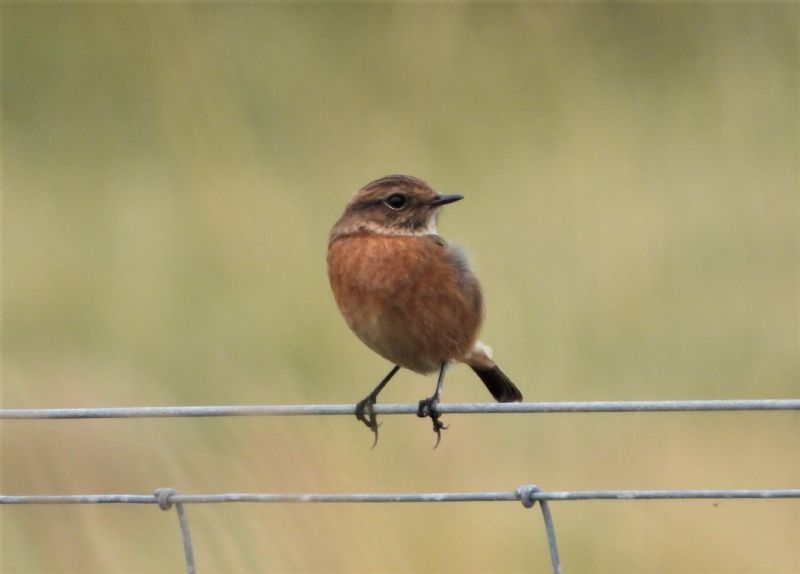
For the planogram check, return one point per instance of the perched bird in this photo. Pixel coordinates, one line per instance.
(406, 293)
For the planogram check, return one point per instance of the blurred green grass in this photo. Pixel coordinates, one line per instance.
(170, 176)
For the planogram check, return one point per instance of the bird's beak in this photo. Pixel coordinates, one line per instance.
(445, 199)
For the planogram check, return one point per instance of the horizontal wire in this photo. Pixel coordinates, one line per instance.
(402, 497)
(404, 409)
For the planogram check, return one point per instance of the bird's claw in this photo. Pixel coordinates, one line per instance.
(429, 408)
(366, 414)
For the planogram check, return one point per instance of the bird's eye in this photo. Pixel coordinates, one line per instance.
(396, 201)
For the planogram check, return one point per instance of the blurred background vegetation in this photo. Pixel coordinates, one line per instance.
(171, 172)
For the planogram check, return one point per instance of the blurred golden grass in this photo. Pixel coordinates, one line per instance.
(170, 176)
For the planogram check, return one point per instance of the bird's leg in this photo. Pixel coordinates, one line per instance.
(428, 407)
(364, 411)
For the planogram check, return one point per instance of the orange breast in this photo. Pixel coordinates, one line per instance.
(411, 299)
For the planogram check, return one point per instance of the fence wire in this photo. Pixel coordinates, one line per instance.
(528, 495)
(405, 409)
(365, 497)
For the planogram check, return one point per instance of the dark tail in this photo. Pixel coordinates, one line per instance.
(501, 387)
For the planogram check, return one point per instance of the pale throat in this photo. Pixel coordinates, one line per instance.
(357, 225)
(377, 228)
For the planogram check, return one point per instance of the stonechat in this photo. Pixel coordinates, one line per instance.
(406, 293)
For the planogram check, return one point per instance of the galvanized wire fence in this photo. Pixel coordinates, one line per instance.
(528, 495)
(405, 409)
